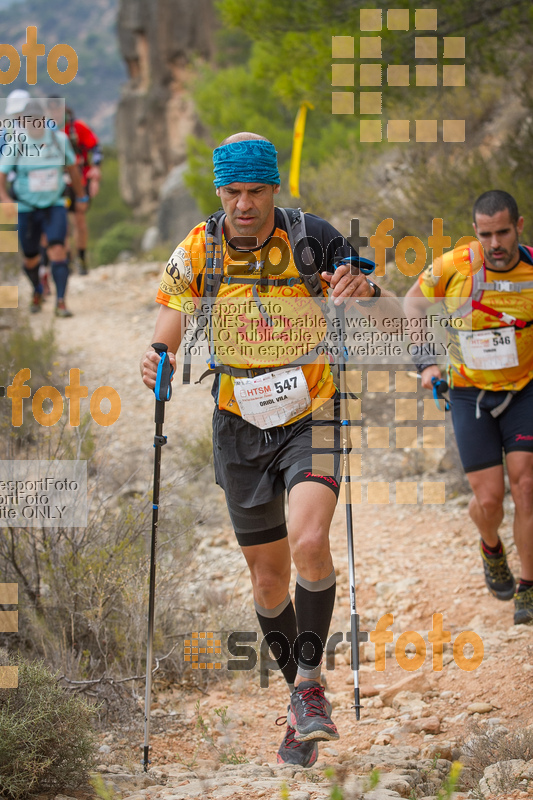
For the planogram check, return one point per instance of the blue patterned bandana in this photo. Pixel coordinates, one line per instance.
(251, 161)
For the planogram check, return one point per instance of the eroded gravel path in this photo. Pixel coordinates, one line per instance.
(412, 561)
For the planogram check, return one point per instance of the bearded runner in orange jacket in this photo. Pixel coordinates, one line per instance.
(490, 303)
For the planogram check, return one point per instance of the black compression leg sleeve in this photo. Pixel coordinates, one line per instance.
(275, 621)
(33, 275)
(44, 256)
(314, 601)
(60, 276)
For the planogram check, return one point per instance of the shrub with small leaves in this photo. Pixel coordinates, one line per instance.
(122, 236)
(46, 740)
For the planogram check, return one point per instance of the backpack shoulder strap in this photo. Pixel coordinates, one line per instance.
(478, 283)
(476, 291)
(214, 264)
(55, 140)
(214, 273)
(526, 253)
(295, 224)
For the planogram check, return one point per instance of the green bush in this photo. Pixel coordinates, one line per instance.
(46, 740)
(25, 349)
(22, 348)
(108, 208)
(122, 236)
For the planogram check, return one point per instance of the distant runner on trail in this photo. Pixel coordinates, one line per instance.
(265, 449)
(88, 158)
(491, 375)
(39, 157)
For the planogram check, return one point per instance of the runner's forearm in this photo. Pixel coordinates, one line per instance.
(4, 196)
(77, 183)
(170, 328)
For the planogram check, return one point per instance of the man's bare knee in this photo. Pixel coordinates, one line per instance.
(311, 554)
(269, 585)
(522, 492)
(490, 505)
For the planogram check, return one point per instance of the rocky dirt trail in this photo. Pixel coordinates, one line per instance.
(412, 561)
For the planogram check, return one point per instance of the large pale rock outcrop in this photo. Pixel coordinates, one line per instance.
(159, 41)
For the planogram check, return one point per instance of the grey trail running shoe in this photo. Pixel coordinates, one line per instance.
(291, 751)
(523, 607)
(62, 311)
(498, 577)
(310, 713)
(36, 303)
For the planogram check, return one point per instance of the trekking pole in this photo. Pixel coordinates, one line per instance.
(163, 392)
(345, 425)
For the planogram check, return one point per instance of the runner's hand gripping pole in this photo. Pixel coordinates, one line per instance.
(356, 636)
(439, 388)
(163, 392)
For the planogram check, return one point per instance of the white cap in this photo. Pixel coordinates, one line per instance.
(16, 101)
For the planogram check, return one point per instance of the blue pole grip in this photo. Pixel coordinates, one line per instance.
(364, 265)
(163, 386)
(439, 387)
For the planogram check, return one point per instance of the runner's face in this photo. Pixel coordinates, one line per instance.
(34, 126)
(249, 209)
(499, 238)
(56, 112)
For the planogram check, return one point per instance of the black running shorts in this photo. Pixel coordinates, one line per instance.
(481, 441)
(256, 467)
